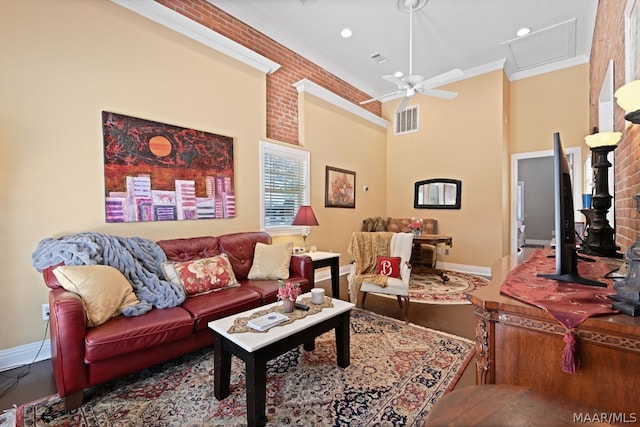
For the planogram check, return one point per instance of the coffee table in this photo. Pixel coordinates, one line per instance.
(257, 348)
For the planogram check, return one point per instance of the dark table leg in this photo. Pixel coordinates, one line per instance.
(309, 345)
(221, 369)
(343, 340)
(334, 264)
(256, 377)
(335, 278)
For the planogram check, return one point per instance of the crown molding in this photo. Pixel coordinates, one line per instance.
(315, 89)
(198, 32)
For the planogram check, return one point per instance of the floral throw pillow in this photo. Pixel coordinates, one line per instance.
(388, 266)
(201, 276)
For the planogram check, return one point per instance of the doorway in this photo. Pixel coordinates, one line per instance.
(545, 191)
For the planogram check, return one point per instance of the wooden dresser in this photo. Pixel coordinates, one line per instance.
(521, 344)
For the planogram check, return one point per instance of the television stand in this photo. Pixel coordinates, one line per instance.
(579, 257)
(573, 278)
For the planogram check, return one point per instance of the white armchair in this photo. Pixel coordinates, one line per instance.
(362, 276)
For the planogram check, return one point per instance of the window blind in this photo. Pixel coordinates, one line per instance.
(284, 186)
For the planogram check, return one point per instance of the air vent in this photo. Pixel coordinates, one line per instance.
(407, 120)
(378, 58)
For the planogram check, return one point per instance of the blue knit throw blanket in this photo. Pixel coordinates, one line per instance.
(139, 260)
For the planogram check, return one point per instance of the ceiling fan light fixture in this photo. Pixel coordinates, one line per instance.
(408, 5)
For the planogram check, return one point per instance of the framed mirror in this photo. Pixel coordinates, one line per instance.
(437, 193)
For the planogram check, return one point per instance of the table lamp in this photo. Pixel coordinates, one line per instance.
(306, 218)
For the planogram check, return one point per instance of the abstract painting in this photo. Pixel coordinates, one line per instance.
(159, 172)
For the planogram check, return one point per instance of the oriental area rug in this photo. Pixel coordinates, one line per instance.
(429, 288)
(396, 374)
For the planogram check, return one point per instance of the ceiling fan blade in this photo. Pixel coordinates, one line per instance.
(402, 104)
(385, 97)
(396, 81)
(444, 94)
(441, 79)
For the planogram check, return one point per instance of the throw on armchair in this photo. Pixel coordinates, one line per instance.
(380, 265)
(424, 254)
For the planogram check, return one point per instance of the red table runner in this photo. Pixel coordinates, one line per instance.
(569, 303)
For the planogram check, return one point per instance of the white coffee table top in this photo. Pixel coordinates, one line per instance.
(252, 341)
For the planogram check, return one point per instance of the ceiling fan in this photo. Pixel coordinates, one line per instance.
(415, 83)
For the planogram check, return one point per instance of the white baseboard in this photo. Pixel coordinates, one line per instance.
(537, 242)
(464, 268)
(24, 354)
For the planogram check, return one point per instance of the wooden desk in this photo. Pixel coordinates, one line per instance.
(521, 344)
(321, 259)
(418, 259)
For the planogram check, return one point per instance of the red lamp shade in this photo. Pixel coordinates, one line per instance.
(305, 216)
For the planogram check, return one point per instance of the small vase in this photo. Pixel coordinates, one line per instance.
(288, 305)
(416, 232)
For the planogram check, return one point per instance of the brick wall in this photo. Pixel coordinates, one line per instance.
(282, 97)
(608, 43)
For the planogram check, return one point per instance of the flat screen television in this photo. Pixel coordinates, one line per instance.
(566, 253)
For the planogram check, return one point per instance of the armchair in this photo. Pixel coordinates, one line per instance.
(365, 248)
(424, 254)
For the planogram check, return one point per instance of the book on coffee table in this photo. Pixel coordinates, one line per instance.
(267, 321)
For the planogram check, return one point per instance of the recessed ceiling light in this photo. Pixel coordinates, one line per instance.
(346, 33)
(523, 31)
(398, 74)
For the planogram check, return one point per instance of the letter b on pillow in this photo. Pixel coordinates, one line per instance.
(388, 266)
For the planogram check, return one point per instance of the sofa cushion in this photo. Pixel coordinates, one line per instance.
(216, 305)
(123, 335)
(202, 275)
(268, 289)
(271, 262)
(103, 289)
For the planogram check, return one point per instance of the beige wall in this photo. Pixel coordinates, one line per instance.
(73, 60)
(460, 139)
(342, 140)
(548, 103)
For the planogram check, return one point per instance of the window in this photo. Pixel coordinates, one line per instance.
(284, 176)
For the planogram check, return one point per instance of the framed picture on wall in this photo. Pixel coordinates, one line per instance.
(340, 188)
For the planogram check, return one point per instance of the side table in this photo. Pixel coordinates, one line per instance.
(321, 259)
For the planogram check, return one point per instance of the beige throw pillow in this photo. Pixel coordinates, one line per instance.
(271, 261)
(103, 289)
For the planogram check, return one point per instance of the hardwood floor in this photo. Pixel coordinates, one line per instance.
(454, 319)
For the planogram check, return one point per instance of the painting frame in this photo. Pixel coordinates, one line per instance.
(339, 188)
(155, 171)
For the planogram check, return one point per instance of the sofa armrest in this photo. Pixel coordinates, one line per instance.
(68, 330)
(301, 266)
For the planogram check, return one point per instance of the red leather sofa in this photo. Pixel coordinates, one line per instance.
(83, 357)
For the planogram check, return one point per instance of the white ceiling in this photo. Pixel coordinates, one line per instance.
(473, 35)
